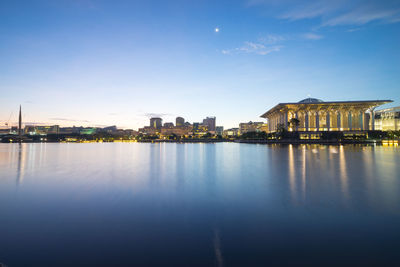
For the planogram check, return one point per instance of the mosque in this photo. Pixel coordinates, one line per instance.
(315, 115)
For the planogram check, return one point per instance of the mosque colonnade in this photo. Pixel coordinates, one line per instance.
(316, 115)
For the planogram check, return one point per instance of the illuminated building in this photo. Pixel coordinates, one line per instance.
(179, 131)
(14, 130)
(148, 130)
(246, 127)
(156, 123)
(88, 131)
(219, 130)
(168, 125)
(317, 115)
(210, 123)
(70, 130)
(388, 119)
(110, 129)
(231, 132)
(29, 129)
(199, 129)
(44, 130)
(263, 127)
(179, 121)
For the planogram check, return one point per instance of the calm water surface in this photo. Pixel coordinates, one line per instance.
(224, 204)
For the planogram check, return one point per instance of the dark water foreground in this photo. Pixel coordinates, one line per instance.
(131, 204)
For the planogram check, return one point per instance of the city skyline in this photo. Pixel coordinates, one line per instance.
(94, 63)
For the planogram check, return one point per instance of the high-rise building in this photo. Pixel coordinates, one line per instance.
(156, 123)
(219, 130)
(168, 125)
(179, 121)
(210, 123)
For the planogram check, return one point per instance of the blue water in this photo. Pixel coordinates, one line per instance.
(225, 204)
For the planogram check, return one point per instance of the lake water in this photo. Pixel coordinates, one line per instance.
(224, 204)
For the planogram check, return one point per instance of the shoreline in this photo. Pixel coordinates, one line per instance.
(245, 141)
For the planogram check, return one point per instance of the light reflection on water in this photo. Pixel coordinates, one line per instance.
(198, 204)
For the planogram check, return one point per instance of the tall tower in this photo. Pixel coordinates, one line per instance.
(20, 122)
(155, 123)
(179, 121)
(210, 122)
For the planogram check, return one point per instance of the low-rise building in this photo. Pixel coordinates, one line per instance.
(109, 129)
(219, 130)
(168, 125)
(71, 130)
(250, 126)
(387, 119)
(149, 130)
(199, 129)
(30, 129)
(177, 130)
(44, 130)
(231, 132)
(88, 131)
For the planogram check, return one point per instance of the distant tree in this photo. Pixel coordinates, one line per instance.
(280, 128)
(294, 123)
(172, 136)
(254, 135)
(393, 134)
(207, 135)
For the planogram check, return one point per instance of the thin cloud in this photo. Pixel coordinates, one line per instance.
(263, 46)
(272, 39)
(66, 119)
(31, 123)
(156, 115)
(335, 13)
(311, 9)
(253, 48)
(269, 44)
(363, 16)
(353, 30)
(312, 36)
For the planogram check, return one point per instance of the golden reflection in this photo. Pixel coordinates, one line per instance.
(303, 173)
(292, 172)
(298, 191)
(369, 161)
(21, 160)
(343, 172)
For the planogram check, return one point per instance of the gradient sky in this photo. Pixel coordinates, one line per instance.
(83, 62)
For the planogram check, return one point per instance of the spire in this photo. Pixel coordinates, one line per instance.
(20, 122)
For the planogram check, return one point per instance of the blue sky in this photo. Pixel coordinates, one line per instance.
(83, 62)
